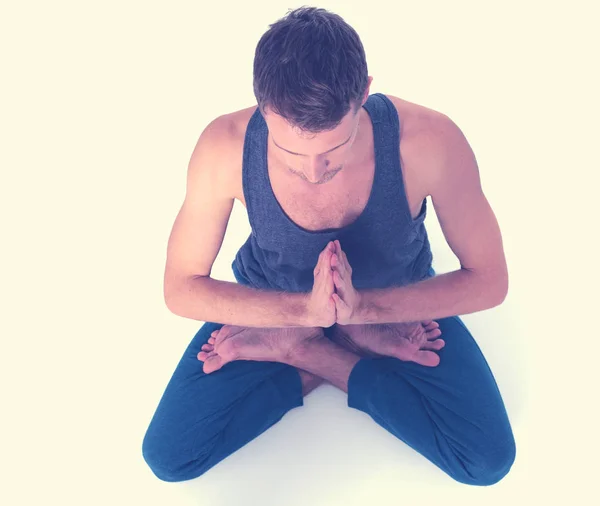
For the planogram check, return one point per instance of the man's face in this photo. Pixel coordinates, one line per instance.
(317, 158)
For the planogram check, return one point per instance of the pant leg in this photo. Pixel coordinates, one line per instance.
(203, 418)
(452, 414)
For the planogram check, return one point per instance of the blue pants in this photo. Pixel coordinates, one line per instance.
(452, 414)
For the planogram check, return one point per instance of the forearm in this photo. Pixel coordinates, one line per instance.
(453, 293)
(208, 299)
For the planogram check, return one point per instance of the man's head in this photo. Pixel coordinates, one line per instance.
(310, 82)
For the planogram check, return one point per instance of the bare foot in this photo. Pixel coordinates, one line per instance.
(231, 343)
(411, 342)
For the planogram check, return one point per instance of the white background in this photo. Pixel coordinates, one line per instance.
(101, 106)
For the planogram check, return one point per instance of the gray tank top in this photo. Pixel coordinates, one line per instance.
(384, 245)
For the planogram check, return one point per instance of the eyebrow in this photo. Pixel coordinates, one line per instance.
(298, 154)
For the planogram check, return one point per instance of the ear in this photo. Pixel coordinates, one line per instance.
(366, 95)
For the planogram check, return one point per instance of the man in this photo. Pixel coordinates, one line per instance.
(335, 281)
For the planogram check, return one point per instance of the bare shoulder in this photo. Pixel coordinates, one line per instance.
(424, 134)
(416, 120)
(237, 126)
(431, 133)
(227, 136)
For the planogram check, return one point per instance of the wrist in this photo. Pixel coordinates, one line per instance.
(297, 305)
(367, 310)
(360, 314)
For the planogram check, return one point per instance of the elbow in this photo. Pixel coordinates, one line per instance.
(169, 298)
(499, 298)
(499, 291)
(170, 305)
(493, 287)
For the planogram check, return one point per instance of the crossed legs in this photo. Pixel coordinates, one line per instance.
(452, 413)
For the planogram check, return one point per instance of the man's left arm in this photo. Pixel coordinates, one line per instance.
(471, 230)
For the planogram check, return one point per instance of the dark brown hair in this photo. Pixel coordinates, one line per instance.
(310, 68)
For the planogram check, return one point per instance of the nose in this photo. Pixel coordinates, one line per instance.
(316, 171)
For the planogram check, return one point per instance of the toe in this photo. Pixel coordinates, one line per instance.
(211, 340)
(437, 344)
(427, 358)
(207, 347)
(433, 334)
(205, 355)
(212, 364)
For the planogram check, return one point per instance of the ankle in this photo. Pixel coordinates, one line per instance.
(309, 381)
(305, 348)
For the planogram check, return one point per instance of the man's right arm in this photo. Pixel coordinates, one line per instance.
(207, 299)
(196, 239)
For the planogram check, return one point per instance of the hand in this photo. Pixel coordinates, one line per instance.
(320, 306)
(347, 299)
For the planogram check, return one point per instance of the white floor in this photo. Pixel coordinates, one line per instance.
(102, 109)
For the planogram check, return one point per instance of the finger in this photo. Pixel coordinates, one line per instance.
(339, 280)
(322, 263)
(433, 334)
(339, 303)
(339, 259)
(325, 277)
(327, 261)
(336, 303)
(341, 286)
(426, 358)
(339, 248)
(320, 258)
(329, 284)
(343, 257)
(337, 263)
(331, 305)
(436, 345)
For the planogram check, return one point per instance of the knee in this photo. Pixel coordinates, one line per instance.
(166, 462)
(490, 467)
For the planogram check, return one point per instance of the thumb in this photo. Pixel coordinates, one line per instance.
(340, 304)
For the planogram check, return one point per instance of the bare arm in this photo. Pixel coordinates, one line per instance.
(197, 236)
(471, 230)
(207, 299)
